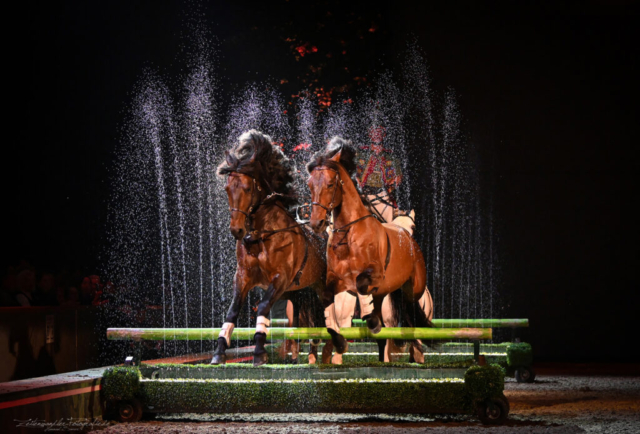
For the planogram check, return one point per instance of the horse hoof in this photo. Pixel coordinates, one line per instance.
(260, 359)
(340, 344)
(374, 324)
(219, 359)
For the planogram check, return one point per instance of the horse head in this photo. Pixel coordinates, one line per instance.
(255, 170)
(325, 185)
(243, 193)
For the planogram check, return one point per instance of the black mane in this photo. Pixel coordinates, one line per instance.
(254, 155)
(347, 157)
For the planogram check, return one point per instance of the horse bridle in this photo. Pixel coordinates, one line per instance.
(255, 186)
(331, 204)
(263, 234)
(338, 180)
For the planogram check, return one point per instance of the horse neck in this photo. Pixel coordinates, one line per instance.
(351, 207)
(270, 214)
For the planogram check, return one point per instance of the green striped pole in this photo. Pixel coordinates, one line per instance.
(158, 334)
(457, 323)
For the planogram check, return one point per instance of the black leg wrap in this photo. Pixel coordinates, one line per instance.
(260, 354)
(373, 322)
(260, 339)
(339, 342)
(219, 357)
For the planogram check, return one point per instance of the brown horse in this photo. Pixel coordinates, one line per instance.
(365, 258)
(273, 251)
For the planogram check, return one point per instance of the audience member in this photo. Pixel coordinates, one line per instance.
(86, 292)
(73, 298)
(7, 294)
(45, 294)
(26, 282)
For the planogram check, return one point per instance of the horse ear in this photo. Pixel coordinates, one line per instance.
(337, 156)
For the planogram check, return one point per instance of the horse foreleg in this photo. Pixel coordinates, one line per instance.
(368, 313)
(224, 338)
(273, 293)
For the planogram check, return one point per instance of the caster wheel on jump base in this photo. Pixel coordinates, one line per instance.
(493, 411)
(525, 374)
(129, 411)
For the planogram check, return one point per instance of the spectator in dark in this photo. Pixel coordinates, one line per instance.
(26, 282)
(73, 298)
(7, 292)
(61, 295)
(45, 294)
(86, 292)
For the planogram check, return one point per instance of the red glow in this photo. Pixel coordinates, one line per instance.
(306, 48)
(304, 146)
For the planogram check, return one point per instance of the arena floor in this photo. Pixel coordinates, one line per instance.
(564, 399)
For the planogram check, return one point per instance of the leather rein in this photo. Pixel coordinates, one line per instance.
(347, 227)
(262, 235)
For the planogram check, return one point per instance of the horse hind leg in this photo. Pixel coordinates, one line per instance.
(345, 304)
(390, 315)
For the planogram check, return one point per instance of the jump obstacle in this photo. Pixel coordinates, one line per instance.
(440, 385)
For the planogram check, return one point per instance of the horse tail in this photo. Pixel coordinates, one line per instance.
(396, 300)
(418, 313)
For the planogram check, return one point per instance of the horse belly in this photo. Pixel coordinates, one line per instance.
(402, 261)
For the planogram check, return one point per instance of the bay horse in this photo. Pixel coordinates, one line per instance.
(365, 258)
(273, 251)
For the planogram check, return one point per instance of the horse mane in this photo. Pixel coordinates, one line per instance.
(347, 158)
(255, 156)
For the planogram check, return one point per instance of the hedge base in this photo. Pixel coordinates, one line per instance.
(418, 395)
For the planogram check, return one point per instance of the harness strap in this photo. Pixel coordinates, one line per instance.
(265, 234)
(386, 261)
(296, 279)
(342, 228)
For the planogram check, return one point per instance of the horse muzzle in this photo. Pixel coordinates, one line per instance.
(238, 232)
(318, 226)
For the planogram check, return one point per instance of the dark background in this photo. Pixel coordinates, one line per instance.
(547, 90)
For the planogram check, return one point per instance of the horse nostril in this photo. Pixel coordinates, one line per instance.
(237, 233)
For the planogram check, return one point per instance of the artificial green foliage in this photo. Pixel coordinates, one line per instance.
(120, 382)
(148, 369)
(519, 354)
(402, 396)
(415, 395)
(484, 381)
